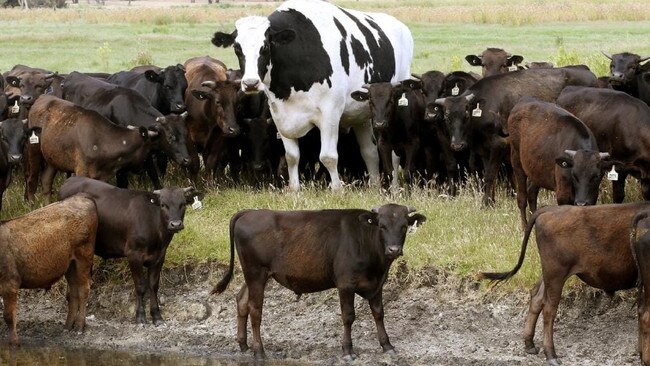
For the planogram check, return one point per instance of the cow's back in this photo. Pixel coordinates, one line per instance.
(41, 244)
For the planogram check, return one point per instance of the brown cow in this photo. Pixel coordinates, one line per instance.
(551, 148)
(34, 255)
(80, 141)
(495, 61)
(641, 251)
(311, 251)
(590, 242)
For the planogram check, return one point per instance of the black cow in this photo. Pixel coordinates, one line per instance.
(136, 225)
(457, 82)
(626, 70)
(621, 124)
(350, 250)
(261, 148)
(14, 132)
(550, 148)
(125, 107)
(164, 88)
(495, 61)
(477, 119)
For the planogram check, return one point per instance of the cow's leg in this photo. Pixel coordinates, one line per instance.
(521, 184)
(242, 318)
(195, 163)
(161, 163)
(32, 160)
(154, 284)
(150, 167)
(491, 170)
(377, 307)
(533, 193)
(552, 296)
(618, 188)
(387, 158)
(140, 288)
(78, 277)
(292, 157)
(329, 155)
(10, 300)
(346, 297)
(411, 151)
(122, 178)
(534, 308)
(256, 282)
(363, 133)
(48, 179)
(72, 295)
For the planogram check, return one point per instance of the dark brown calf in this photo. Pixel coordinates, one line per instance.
(80, 141)
(37, 249)
(550, 148)
(309, 251)
(590, 242)
(640, 242)
(495, 61)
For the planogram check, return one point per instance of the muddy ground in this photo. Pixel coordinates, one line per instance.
(438, 320)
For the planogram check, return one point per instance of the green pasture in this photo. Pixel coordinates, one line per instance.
(460, 236)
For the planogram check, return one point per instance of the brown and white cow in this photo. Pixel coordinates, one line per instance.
(310, 251)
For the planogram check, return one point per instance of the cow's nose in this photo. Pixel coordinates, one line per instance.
(251, 84)
(581, 203)
(617, 75)
(185, 161)
(457, 146)
(233, 131)
(180, 108)
(175, 225)
(393, 251)
(258, 166)
(14, 158)
(380, 124)
(26, 98)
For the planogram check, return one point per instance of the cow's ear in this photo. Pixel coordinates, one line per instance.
(200, 94)
(153, 76)
(36, 130)
(564, 162)
(360, 95)
(474, 60)
(221, 39)
(412, 84)
(369, 218)
(416, 219)
(153, 198)
(182, 67)
(515, 60)
(283, 37)
(13, 81)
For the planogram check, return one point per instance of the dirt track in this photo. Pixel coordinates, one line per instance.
(445, 322)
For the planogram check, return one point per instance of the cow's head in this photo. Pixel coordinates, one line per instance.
(253, 41)
(494, 61)
(172, 137)
(393, 222)
(431, 85)
(172, 83)
(172, 202)
(457, 82)
(584, 169)
(457, 120)
(624, 67)
(260, 134)
(382, 100)
(14, 132)
(220, 98)
(31, 85)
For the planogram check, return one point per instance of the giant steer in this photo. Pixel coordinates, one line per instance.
(136, 225)
(310, 251)
(590, 242)
(37, 249)
(308, 57)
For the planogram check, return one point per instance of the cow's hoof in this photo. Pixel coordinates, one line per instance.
(350, 357)
(260, 357)
(391, 351)
(158, 322)
(532, 350)
(553, 362)
(243, 347)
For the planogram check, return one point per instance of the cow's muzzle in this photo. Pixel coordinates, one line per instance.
(393, 251)
(175, 225)
(250, 86)
(14, 158)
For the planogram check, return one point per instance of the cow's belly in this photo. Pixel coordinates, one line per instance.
(304, 275)
(301, 284)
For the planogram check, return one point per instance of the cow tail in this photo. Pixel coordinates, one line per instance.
(223, 284)
(501, 276)
(635, 221)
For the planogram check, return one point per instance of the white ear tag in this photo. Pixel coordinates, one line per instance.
(612, 175)
(413, 228)
(455, 90)
(15, 108)
(33, 139)
(277, 136)
(197, 204)
(513, 68)
(403, 102)
(477, 112)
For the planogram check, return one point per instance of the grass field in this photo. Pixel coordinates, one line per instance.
(460, 235)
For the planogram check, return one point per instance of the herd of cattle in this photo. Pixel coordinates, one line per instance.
(346, 73)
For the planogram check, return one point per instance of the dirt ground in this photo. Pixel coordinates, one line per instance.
(440, 321)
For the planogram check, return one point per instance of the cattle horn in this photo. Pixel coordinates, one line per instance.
(188, 189)
(603, 155)
(644, 59)
(366, 86)
(209, 84)
(157, 192)
(469, 97)
(508, 54)
(395, 83)
(375, 209)
(25, 121)
(606, 55)
(411, 209)
(184, 114)
(417, 76)
(131, 127)
(50, 75)
(161, 119)
(440, 101)
(571, 153)
(152, 133)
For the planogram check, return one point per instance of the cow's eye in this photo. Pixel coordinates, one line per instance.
(168, 87)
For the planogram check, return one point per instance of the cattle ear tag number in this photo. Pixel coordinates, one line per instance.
(513, 68)
(455, 90)
(403, 102)
(33, 139)
(612, 175)
(197, 204)
(15, 108)
(413, 228)
(477, 112)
